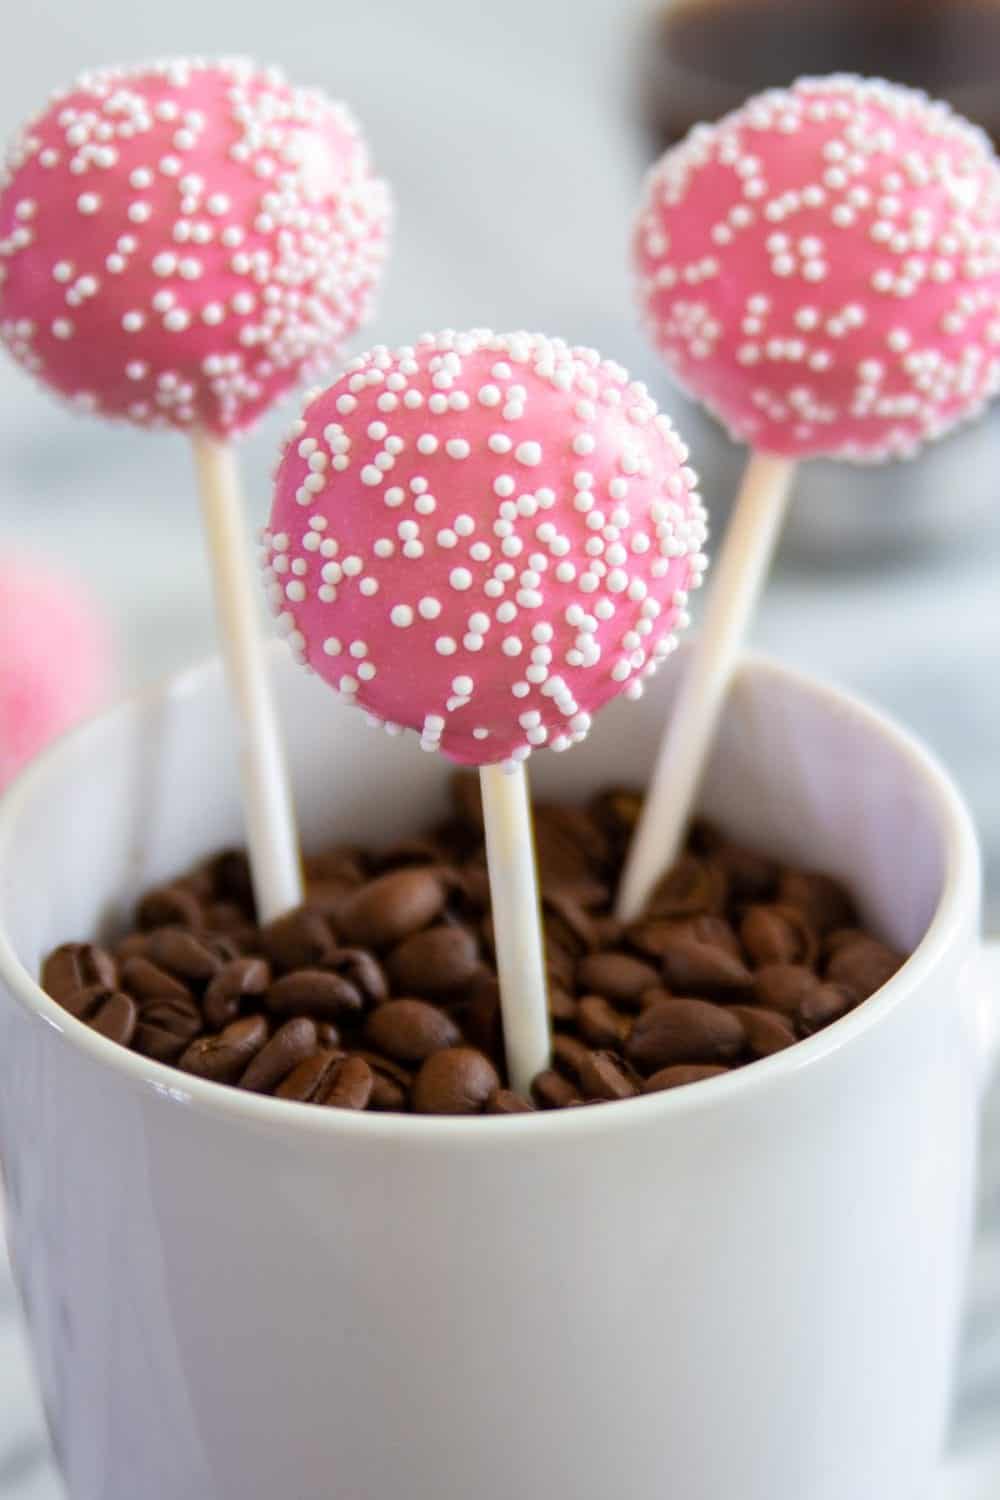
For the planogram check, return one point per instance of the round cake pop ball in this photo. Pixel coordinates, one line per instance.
(484, 538)
(56, 654)
(822, 269)
(181, 243)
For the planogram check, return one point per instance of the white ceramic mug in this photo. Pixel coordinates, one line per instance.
(743, 1290)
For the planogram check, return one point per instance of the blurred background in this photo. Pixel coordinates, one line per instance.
(515, 137)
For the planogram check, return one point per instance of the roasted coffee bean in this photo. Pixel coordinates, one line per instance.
(840, 937)
(767, 1031)
(823, 1005)
(562, 1006)
(238, 980)
(480, 1013)
(324, 898)
(778, 935)
(651, 936)
(407, 852)
(603, 1075)
(863, 966)
(783, 987)
(387, 910)
(649, 998)
(822, 900)
(568, 1055)
(363, 970)
(346, 864)
(351, 1087)
(327, 1035)
(551, 1089)
(166, 1027)
(312, 1078)
(107, 1011)
(569, 839)
(567, 924)
(751, 876)
(656, 936)
(506, 1102)
(608, 932)
(390, 1083)
(680, 1074)
(617, 976)
(116, 1018)
(229, 875)
(315, 993)
(692, 966)
(299, 940)
(438, 961)
(181, 1016)
(691, 887)
(77, 966)
(560, 966)
(457, 1081)
(186, 954)
(228, 920)
(132, 946)
(290, 1045)
(683, 1031)
(147, 982)
(600, 1024)
(225, 1056)
(169, 906)
(410, 1030)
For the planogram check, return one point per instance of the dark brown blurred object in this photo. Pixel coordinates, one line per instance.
(705, 57)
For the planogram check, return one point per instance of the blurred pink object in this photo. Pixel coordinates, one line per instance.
(55, 657)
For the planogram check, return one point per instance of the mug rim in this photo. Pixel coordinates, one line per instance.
(960, 885)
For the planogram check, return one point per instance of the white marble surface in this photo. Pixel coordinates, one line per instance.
(509, 133)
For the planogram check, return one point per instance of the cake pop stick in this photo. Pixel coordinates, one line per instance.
(822, 270)
(503, 539)
(180, 244)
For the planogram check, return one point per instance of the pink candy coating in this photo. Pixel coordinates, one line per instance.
(484, 538)
(56, 655)
(181, 243)
(822, 269)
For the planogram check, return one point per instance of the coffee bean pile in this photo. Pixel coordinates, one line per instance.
(381, 991)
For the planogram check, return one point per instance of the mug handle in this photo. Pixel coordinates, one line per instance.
(987, 979)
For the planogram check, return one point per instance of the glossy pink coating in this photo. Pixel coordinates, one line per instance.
(181, 243)
(484, 538)
(56, 654)
(822, 269)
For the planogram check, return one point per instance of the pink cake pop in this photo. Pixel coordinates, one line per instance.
(56, 658)
(484, 538)
(822, 268)
(180, 243)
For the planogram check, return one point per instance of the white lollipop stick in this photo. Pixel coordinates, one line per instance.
(517, 931)
(267, 803)
(738, 576)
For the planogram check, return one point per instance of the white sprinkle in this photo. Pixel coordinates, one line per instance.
(529, 454)
(429, 607)
(401, 615)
